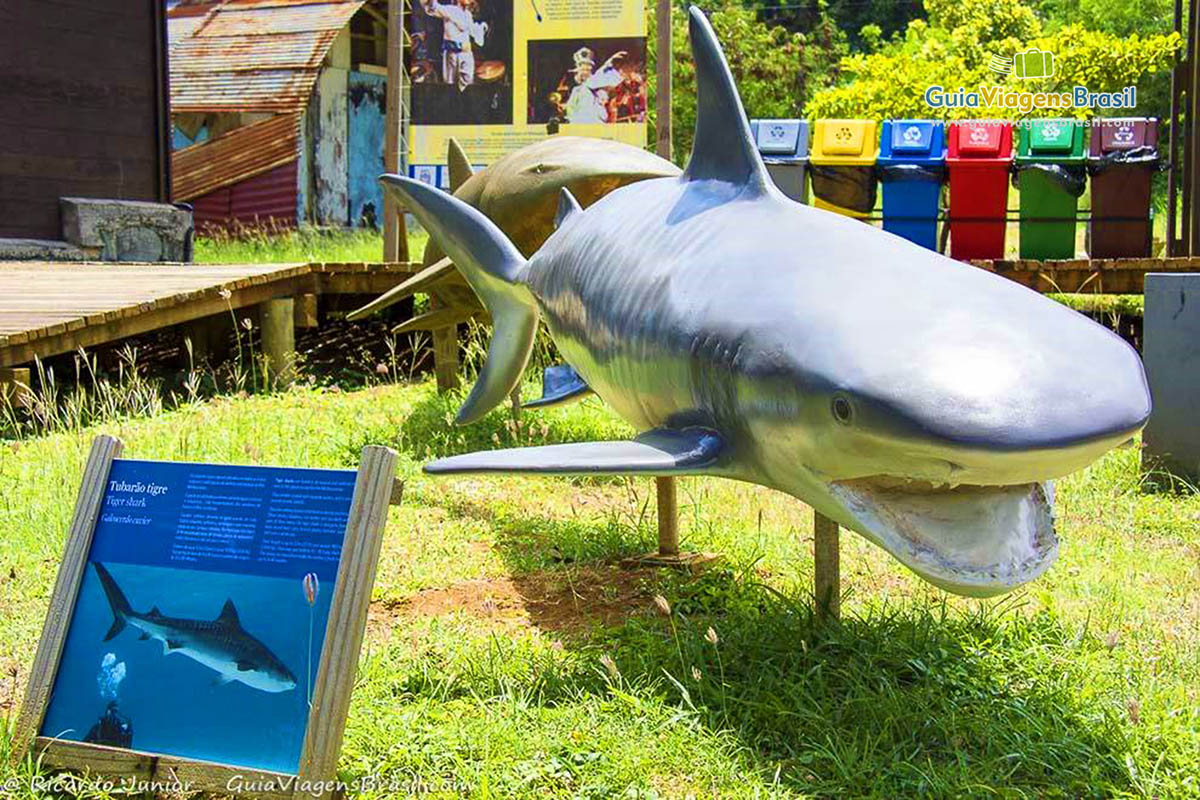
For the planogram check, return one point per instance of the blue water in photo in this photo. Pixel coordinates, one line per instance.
(197, 576)
(174, 704)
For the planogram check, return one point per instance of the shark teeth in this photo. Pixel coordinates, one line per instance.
(971, 540)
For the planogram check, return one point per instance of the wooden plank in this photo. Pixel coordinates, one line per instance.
(668, 516)
(373, 492)
(66, 588)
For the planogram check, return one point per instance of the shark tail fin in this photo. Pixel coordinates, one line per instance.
(493, 267)
(116, 600)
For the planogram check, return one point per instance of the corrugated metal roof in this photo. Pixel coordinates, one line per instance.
(235, 156)
(251, 55)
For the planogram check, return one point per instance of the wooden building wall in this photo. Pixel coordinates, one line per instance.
(83, 107)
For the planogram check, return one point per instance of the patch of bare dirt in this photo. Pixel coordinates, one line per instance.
(560, 600)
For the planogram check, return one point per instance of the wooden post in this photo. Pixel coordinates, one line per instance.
(14, 386)
(307, 311)
(445, 351)
(279, 339)
(827, 590)
(664, 487)
(668, 516)
(662, 125)
(395, 235)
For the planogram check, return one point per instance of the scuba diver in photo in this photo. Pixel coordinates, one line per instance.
(113, 729)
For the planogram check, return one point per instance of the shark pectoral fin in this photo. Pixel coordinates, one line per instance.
(436, 272)
(561, 384)
(567, 205)
(117, 626)
(691, 451)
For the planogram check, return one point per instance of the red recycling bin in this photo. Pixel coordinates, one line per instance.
(979, 159)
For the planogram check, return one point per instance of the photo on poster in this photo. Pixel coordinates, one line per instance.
(587, 81)
(201, 615)
(460, 62)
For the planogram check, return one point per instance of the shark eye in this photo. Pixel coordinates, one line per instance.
(843, 412)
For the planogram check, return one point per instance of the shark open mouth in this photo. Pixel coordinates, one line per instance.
(971, 540)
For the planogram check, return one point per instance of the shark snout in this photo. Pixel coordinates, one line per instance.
(1003, 407)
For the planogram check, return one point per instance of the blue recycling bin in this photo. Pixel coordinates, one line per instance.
(783, 145)
(912, 167)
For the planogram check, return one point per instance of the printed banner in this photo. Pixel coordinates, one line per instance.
(501, 74)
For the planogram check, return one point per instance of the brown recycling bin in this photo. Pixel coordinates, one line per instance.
(1122, 159)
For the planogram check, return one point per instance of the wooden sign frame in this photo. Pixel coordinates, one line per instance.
(374, 490)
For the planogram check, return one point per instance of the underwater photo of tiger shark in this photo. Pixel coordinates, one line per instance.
(921, 402)
(221, 644)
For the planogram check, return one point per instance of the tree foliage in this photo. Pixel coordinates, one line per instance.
(954, 47)
(776, 70)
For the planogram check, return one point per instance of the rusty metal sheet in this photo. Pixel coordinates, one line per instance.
(235, 21)
(278, 90)
(251, 55)
(234, 157)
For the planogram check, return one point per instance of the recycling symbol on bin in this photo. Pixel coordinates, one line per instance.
(844, 134)
(912, 134)
(978, 136)
(777, 132)
(1051, 131)
(1124, 134)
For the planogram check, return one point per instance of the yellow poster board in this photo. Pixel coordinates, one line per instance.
(500, 74)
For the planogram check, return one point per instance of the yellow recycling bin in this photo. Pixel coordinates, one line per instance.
(842, 166)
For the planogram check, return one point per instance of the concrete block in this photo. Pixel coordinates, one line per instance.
(45, 250)
(1172, 358)
(128, 230)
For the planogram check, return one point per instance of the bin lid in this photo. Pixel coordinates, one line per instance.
(912, 141)
(980, 140)
(781, 137)
(844, 141)
(1119, 134)
(1055, 138)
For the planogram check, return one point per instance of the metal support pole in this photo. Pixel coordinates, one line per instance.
(395, 236)
(827, 590)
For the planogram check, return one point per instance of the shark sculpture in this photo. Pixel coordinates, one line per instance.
(921, 402)
(222, 644)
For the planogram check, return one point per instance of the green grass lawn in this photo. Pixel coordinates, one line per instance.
(508, 656)
(253, 246)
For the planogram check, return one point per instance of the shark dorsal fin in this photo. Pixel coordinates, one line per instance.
(154, 612)
(723, 148)
(228, 615)
(567, 205)
(460, 166)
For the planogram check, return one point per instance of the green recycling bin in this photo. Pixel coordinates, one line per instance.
(1050, 174)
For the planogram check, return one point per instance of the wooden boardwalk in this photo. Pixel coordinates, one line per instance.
(52, 308)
